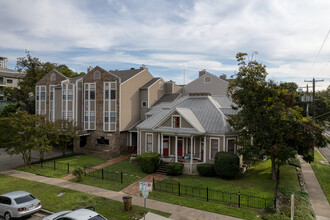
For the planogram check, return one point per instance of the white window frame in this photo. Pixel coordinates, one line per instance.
(210, 146)
(52, 103)
(146, 142)
(89, 106)
(173, 123)
(109, 85)
(65, 89)
(38, 94)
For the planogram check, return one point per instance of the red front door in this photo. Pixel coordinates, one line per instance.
(165, 147)
(202, 154)
(180, 146)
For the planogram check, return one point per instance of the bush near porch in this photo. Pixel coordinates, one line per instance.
(148, 162)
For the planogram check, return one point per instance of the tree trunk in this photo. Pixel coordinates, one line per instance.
(273, 168)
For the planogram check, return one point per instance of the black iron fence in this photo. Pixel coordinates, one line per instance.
(212, 195)
(104, 174)
(55, 165)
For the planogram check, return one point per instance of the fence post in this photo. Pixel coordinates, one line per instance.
(179, 188)
(121, 176)
(102, 174)
(68, 168)
(207, 194)
(85, 170)
(153, 183)
(54, 165)
(239, 199)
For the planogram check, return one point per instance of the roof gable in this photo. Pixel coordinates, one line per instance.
(125, 75)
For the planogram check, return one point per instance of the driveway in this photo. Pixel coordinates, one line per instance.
(8, 162)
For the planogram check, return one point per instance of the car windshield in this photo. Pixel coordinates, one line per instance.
(23, 199)
(98, 217)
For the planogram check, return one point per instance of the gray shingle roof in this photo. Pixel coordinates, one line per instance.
(125, 75)
(74, 79)
(152, 81)
(205, 109)
(168, 98)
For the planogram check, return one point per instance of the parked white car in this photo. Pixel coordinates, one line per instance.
(18, 204)
(80, 214)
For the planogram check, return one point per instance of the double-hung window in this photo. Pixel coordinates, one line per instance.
(176, 121)
(90, 106)
(149, 143)
(109, 106)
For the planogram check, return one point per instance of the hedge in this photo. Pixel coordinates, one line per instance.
(206, 169)
(174, 169)
(226, 165)
(148, 162)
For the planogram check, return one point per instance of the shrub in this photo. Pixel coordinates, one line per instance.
(226, 164)
(78, 172)
(206, 169)
(174, 169)
(148, 161)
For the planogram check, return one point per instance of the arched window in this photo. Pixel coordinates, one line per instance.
(207, 79)
(53, 77)
(97, 75)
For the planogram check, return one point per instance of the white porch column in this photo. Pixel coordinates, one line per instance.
(158, 146)
(161, 145)
(224, 143)
(204, 154)
(191, 149)
(176, 148)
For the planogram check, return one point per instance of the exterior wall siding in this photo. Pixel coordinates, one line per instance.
(130, 100)
(155, 92)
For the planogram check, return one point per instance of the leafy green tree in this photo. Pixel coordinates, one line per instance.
(67, 131)
(21, 133)
(35, 70)
(269, 121)
(8, 109)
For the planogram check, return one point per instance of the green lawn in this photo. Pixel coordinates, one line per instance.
(61, 165)
(71, 199)
(322, 172)
(256, 182)
(131, 173)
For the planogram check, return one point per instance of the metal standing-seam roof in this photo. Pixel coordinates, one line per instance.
(207, 113)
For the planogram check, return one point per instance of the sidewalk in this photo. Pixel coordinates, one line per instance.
(100, 166)
(319, 201)
(178, 212)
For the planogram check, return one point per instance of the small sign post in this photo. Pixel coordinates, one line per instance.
(145, 187)
(292, 206)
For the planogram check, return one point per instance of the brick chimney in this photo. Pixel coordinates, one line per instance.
(223, 76)
(202, 72)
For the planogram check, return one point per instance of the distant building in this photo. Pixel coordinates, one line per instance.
(3, 63)
(8, 77)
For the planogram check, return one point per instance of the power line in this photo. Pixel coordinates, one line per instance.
(326, 37)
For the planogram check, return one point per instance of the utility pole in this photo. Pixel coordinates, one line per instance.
(314, 81)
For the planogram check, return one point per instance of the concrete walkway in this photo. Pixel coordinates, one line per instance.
(100, 166)
(319, 201)
(178, 212)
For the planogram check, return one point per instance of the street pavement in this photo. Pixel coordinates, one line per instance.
(326, 151)
(8, 162)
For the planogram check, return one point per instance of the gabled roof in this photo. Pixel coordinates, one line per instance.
(74, 79)
(152, 81)
(125, 75)
(190, 117)
(207, 113)
(168, 98)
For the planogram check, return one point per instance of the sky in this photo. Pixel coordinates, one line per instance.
(175, 39)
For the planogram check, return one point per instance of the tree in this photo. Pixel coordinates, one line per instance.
(269, 121)
(35, 70)
(8, 109)
(67, 132)
(21, 133)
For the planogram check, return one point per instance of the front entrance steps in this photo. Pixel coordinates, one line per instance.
(162, 168)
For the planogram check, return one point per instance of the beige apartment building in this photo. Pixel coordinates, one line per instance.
(9, 78)
(105, 105)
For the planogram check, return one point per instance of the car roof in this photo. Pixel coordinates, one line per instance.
(16, 194)
(81, 214)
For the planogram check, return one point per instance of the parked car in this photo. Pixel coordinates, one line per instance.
(18, 204)
(80, 214)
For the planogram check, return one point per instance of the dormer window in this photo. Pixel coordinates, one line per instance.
(97, 75)
(176, 121)
(207, 79)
